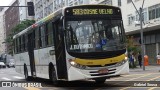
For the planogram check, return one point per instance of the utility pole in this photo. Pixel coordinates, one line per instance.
(142, 43)
(141, 30)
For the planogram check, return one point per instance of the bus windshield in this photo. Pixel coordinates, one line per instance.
(94, 35)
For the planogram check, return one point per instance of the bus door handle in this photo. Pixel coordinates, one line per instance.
(52, 52)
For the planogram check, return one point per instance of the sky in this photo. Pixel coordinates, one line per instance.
(5, 2)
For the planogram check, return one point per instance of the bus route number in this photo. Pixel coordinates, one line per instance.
(92, 11)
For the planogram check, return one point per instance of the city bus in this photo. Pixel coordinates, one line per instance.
(84, 42)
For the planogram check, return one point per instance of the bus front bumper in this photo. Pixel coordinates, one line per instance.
(82, 74)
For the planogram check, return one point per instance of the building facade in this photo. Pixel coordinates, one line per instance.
(46, 7)
(107, 2)
(2, 31)
(23, 11)
(151, 24)
(11, 20)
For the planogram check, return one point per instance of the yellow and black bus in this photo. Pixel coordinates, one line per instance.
(74, 43)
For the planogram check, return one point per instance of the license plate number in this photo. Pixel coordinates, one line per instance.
(102, 71)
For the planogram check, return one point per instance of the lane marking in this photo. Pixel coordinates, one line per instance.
(5, 78)
(139, 77)
(124, 76)
(130, 80)
(125, 88)
(153, 78)
(152, 88)
(129, 76)
(31, 88)
(17, 77)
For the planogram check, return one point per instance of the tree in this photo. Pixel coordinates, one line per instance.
(132, 48)
(23, 25)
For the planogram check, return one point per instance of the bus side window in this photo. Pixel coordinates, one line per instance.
(18, 39)
(26, 41)
(22, 44)
(46, 34)
(16, 45)
(37, 38)
(50, 34)
(23, 39)
(42, 30)
(33, 38)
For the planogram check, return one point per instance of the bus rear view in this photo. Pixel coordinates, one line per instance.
(95, 42)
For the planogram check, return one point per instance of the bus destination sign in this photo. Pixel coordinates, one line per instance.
(92, 11)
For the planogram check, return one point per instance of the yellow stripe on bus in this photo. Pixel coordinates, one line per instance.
(101, 62)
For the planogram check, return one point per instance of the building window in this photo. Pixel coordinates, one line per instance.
(119, 2)
(130, 19)
(80, 1)
(136, 0)
(108, 2)
(158, 11)
(154, 12)
(128, 1)
(144, 15)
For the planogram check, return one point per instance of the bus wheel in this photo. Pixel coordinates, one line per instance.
(26, 73)
(53, 76)
(100, 81)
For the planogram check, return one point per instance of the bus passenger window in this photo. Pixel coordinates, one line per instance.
(20, 44)
(42, 35)
(46, 34)
(23, 39)
(50, 34)
(34, 38)
(22, 48)
(17, 47)
(37, 38)
(26, 41)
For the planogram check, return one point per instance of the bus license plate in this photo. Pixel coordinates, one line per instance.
(102, 71)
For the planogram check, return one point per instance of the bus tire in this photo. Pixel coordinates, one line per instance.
(53, 76)
(100, 81)
(26, 73)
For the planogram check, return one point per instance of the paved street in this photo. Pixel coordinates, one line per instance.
(125, 82)
(9, 74)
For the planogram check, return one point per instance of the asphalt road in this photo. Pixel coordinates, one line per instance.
(136, 80)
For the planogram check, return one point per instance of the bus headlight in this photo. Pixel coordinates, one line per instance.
(122, 62)
(74, 64)
(126, 58)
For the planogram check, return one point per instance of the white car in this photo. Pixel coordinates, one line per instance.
(11, 64)
(2, 65)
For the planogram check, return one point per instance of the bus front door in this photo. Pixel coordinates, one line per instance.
(31, 53)
(60, 51)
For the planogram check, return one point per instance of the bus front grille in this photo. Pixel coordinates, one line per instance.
(112, 64)
(95, 73)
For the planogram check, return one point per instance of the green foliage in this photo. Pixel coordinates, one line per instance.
(131, 47)
(23, 25)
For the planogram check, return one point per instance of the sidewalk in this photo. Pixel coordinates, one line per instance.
(148, 69)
